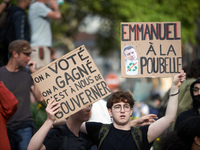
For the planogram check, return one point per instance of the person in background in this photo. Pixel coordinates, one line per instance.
(16, 77)
(8, 106)
(41, 36)
(185, 97)
(154, 104)
(187, 137)
(195, 110)
(4, 6)
(140, 109)
(16, 26)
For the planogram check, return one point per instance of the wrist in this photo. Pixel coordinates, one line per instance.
(49, 122)
(133, 123)
(34, 70)
(173, 94)
(174, 88)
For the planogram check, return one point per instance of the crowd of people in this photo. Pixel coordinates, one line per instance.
(34, 27)
(107, 124)
(75, 133)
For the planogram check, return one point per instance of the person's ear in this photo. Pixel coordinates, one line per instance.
(15, 54)
(110, 112)
(197, 140)
(131, 109)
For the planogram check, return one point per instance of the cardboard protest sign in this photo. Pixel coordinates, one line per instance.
(72, 80)
(150, 49)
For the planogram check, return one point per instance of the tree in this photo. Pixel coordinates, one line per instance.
(113, 12)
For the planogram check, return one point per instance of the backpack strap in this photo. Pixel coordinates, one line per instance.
(103, 133)
(137, 136)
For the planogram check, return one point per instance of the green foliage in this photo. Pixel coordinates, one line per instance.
(38, 113)
(156, 144)
(113, 12)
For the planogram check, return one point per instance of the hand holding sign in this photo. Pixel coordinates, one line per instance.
(72, 80)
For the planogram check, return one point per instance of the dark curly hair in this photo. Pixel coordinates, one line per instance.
(183, 138)
(171, 141)
(194, 69)
(120, 96)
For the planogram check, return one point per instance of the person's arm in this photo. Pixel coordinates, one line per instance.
(5, 4)
(159, 126)
(60, 123)
(8, 102)
(4, 7)
(36, 141)
(19, 25)
(55, 13)
(34, 89)
(144, 120)
(36, 92)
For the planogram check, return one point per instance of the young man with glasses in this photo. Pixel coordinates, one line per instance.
(120, 106)
(195, 111)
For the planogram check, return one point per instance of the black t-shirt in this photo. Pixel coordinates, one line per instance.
(19, 83)
(117, 139)
(62, 137)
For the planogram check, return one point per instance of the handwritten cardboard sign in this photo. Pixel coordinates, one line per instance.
(72, 80)
(150, 49)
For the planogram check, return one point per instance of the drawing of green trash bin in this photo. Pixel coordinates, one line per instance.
(132, 67)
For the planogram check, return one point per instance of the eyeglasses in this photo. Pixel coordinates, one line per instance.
(118, 108)
(196, 90)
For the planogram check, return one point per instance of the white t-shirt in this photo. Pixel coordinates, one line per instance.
(100, 112)
(40, 25)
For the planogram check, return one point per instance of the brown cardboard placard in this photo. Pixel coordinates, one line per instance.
(152, 49)
(73, 80)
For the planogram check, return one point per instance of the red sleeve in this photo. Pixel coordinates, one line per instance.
(8, 102)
